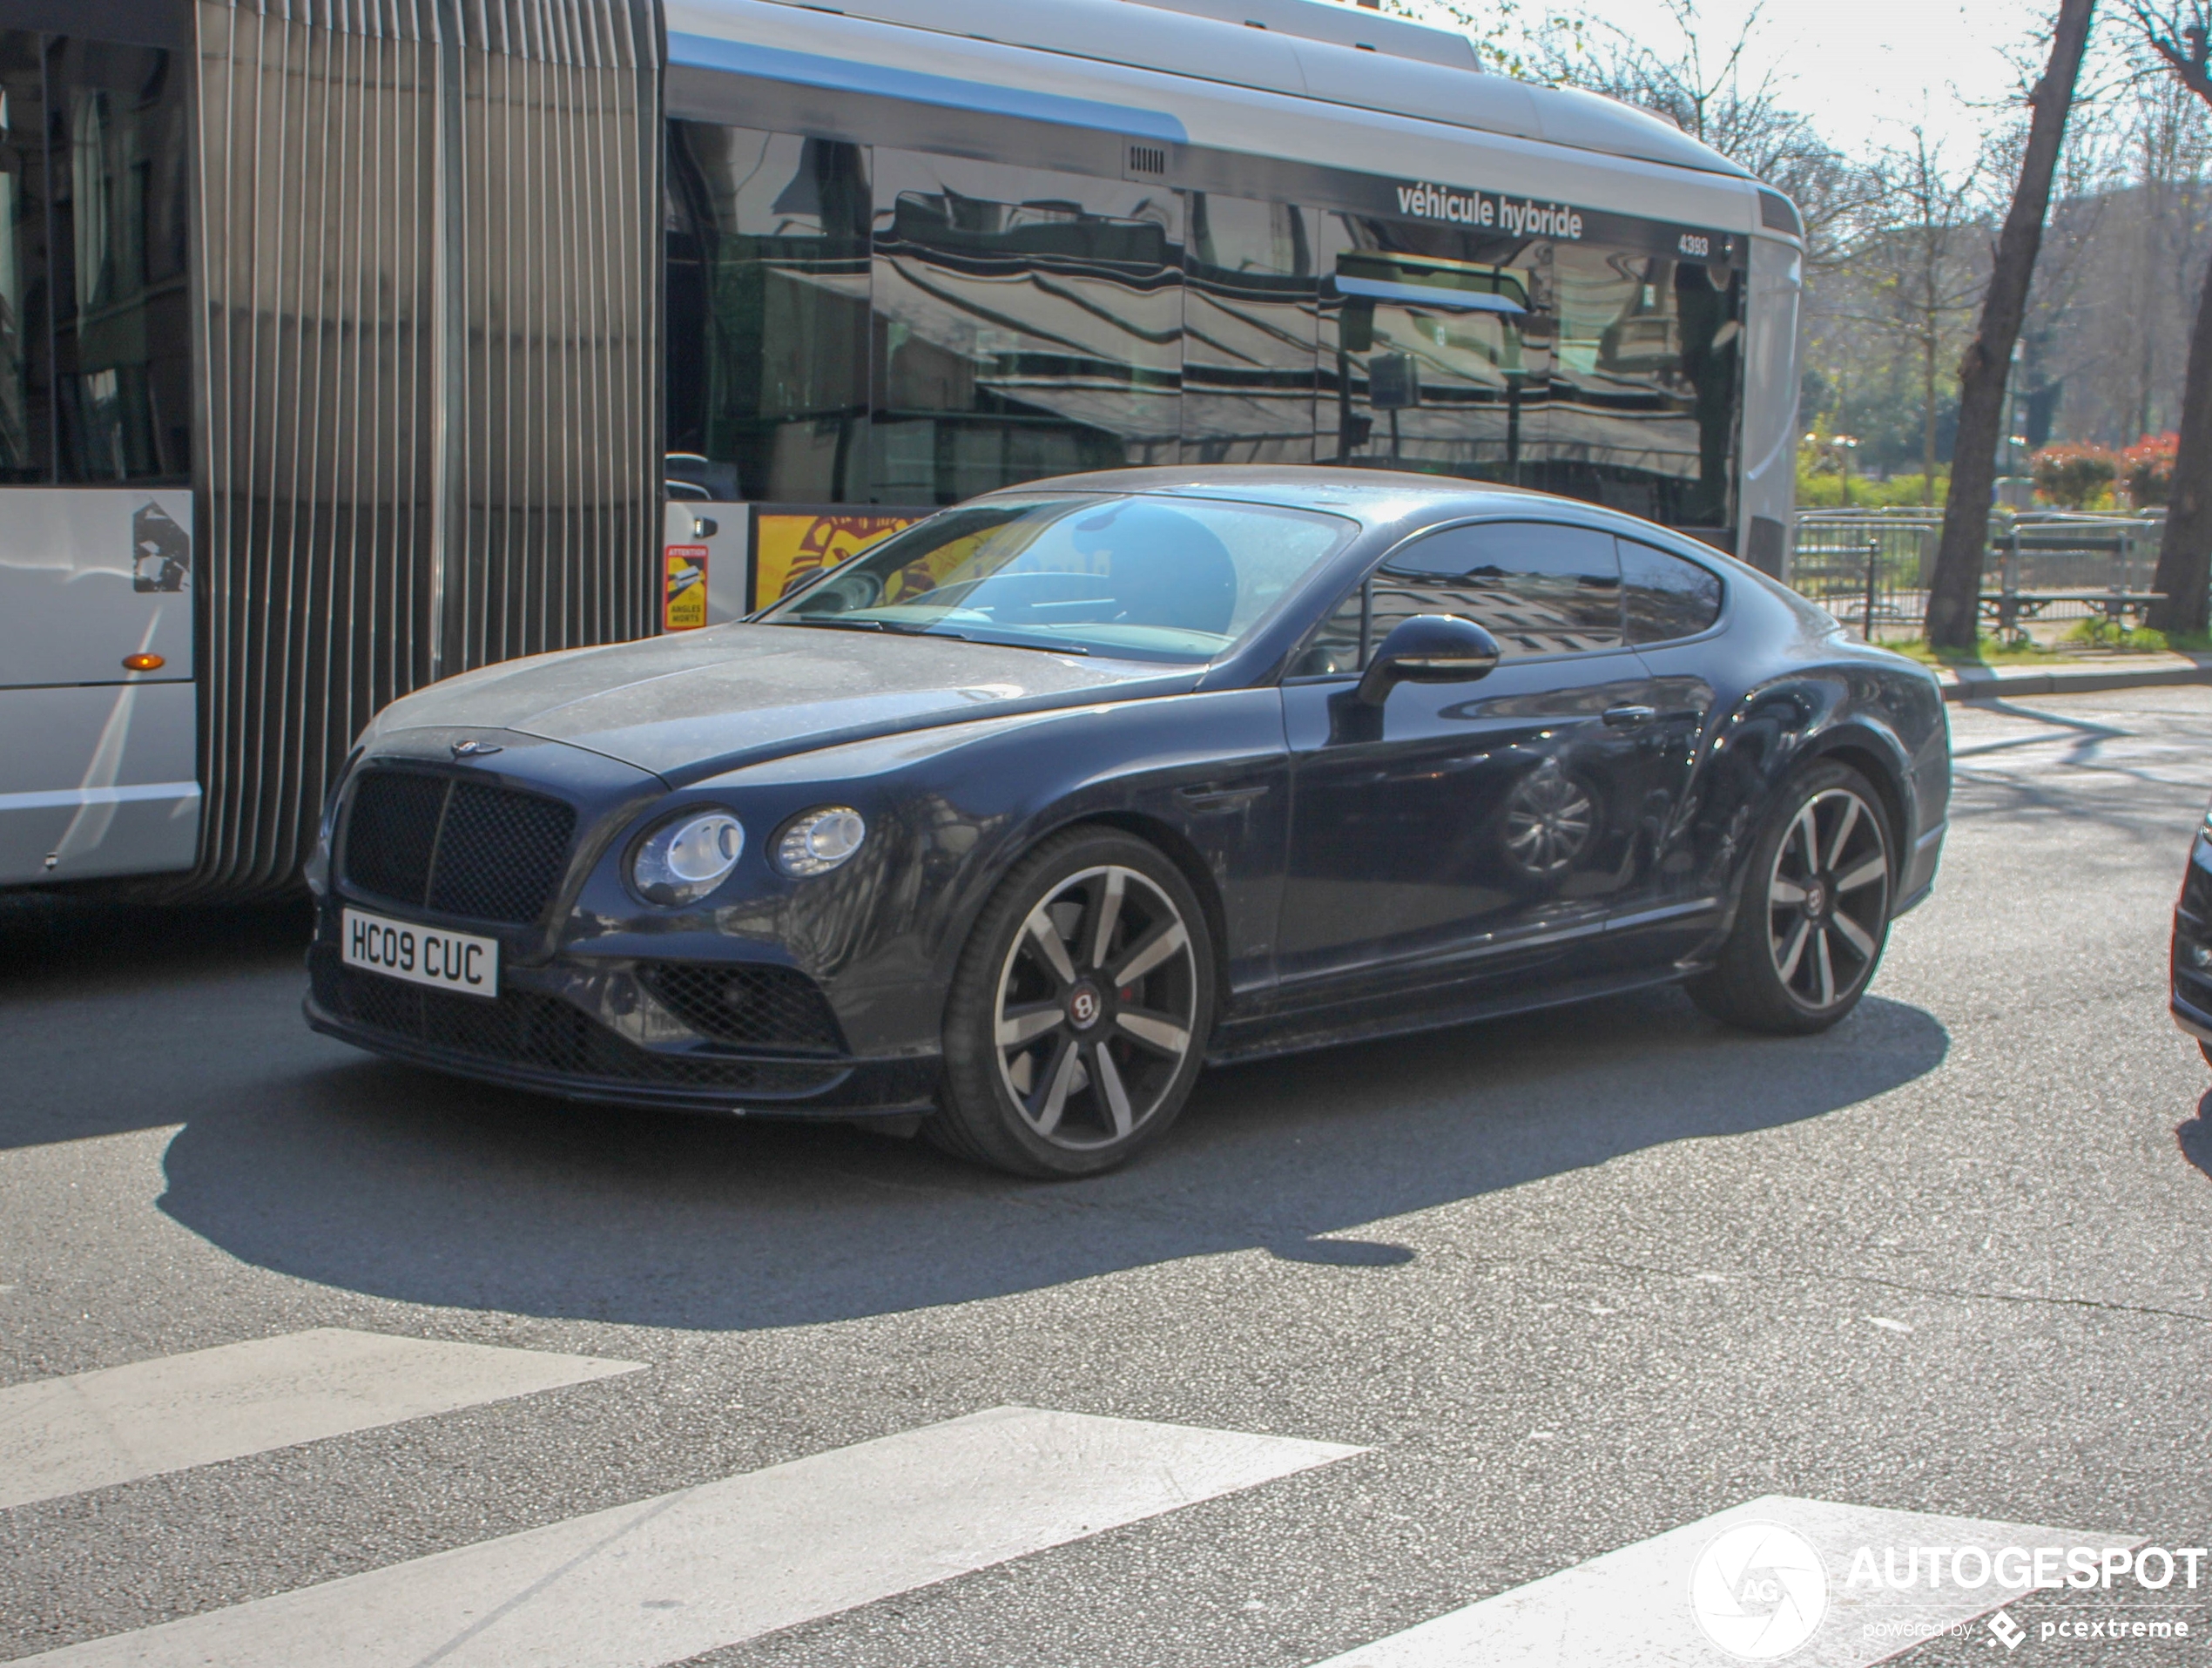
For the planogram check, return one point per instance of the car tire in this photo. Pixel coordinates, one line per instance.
(1078, 1016)
(1813, 916)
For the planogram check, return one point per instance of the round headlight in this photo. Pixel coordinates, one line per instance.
(819, 842)
(682, 861)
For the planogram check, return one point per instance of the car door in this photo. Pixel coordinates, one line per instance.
(1671, 605)
(1464, 828)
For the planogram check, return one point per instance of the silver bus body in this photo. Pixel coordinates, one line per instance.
(347, 345)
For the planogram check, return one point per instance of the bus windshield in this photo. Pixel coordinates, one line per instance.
(1136, 576)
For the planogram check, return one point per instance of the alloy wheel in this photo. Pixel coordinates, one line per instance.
(1828, 899)
(1097, 1003)
(1547, 821)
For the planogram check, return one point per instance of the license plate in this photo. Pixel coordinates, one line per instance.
(400, 949)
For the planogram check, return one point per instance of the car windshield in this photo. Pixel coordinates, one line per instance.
(1140, 577)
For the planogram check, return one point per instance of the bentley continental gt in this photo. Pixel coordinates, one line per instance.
(1008, 826)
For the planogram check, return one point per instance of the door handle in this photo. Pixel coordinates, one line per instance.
(1625, 718)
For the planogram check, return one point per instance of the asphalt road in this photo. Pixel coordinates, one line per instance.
(1569, 1281)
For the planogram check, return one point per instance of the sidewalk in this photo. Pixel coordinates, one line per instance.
(2073, 676)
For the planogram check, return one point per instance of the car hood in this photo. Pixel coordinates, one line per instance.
(688, 705)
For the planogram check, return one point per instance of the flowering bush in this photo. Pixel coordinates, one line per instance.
(2148, 469)
(2074, 477)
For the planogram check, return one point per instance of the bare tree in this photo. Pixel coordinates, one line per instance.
(2167, 148)
(2178, 34)
(1713, 91)
(1954, 593)
(1918, 266)
(1502, 32)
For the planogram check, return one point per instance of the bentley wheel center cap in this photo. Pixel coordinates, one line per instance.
(1815, 898)
(1084, 1007)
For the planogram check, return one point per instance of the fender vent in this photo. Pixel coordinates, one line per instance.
(1147, 158)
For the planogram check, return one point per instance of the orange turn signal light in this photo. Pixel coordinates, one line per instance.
(144, 662)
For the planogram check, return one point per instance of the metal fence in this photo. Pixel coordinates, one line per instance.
(1871, 568)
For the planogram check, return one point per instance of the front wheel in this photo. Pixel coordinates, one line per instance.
(1077, 1020)
(1815, 912)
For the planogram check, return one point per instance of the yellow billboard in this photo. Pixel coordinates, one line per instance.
(791, 544)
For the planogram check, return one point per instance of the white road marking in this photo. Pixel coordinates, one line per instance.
(1630, 1608)
(61, 1436)
(661, 1580)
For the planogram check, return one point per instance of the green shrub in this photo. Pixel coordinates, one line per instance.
(2075, 477)
(2100, 632)
(1823, 488)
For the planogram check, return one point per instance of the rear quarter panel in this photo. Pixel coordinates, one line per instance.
(1785, 687)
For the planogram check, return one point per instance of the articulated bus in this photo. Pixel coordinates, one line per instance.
(348, 344)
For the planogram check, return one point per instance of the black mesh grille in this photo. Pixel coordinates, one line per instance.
(391, 832)
(765, 1007)
(500, 855)
(522, 1028)
(459, 848)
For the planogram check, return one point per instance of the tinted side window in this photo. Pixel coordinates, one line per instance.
(1666, 597)
(1539, 587)
(767, 312)
(1027, 323)
(121, 314)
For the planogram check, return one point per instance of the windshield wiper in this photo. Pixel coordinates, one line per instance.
(893, 628)
(999, 641)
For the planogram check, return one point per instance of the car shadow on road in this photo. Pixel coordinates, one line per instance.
(382, 1179)
(117, 1016)
(2195, 1135)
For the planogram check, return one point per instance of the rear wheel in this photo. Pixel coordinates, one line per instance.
(1077, 1020)
(1814, 915)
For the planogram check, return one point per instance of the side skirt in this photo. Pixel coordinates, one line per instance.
(1279, 1034)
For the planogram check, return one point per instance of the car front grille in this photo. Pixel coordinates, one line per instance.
(455, 847)
(759, 1007)
(542, 1033)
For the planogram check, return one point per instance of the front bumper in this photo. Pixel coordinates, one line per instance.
(2190, 1020)
(547, 1032)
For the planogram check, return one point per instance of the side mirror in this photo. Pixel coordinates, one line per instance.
(1429, 649)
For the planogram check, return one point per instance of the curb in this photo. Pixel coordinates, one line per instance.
(1999, 683)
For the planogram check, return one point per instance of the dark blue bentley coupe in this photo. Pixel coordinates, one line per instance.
(1014, 822)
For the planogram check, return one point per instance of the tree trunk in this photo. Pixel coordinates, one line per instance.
(1955, 592)
(2185, 556)
(1928, 414)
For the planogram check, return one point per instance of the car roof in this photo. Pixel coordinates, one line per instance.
(1373, 497)
(1371, 494)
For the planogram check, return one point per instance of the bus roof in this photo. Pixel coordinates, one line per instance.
(1305, 49)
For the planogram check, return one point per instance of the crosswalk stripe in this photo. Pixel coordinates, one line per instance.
(664, 1579)
(62, 1435)
(1631, 1608)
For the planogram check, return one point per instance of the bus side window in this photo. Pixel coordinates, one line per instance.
(119, 261)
